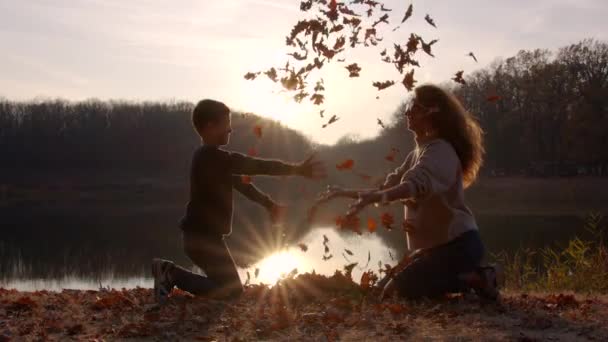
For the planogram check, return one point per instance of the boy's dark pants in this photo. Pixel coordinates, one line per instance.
(210, 253)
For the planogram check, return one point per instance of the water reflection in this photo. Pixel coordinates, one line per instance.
(284, 261)
(271, 268)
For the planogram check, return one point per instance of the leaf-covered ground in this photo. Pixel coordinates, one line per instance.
(309, 307)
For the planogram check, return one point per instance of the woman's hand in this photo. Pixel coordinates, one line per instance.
(365, 199)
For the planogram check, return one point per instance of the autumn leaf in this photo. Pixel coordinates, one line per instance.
(430, 21)
(345, 165)
(408, 13)
(303, 247)
(326, 249)
(272, 74)
(317, 99)
(392, 154)
(380, 123)
(348, 251)
(321, 112)
(339, 44)
(305, 5)
(333, 119)
(353, 70)
(383, 85)
(383, 19)
(493, 98)
(458, 78)
(257, 131)
(252, 151)
(472, 55)
(408, 80)
(246, 179)
(427, 47)
(327, 257)
(251, 75)
(325, 239)
(349, 222)
(371, 225)
(387, 220)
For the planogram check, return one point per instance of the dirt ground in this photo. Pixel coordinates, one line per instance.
(301, 309)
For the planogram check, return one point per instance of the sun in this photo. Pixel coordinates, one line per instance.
(276, 265)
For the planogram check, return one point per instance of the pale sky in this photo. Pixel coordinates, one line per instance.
(193, 49)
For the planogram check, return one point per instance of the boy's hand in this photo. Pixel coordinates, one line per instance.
(277, 213)
(312, 168)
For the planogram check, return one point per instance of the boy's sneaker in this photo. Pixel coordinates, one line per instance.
(492, 279)
(162, 281)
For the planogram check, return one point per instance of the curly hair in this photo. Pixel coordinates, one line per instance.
(457, 126)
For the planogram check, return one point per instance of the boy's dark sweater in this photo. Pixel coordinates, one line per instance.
(214, 173)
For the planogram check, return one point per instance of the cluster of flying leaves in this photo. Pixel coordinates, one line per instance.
(332, 28)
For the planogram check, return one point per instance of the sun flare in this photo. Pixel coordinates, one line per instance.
(276, 265)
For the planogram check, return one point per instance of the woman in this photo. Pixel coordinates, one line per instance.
(431, 182)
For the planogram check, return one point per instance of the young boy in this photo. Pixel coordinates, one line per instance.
(214, 173)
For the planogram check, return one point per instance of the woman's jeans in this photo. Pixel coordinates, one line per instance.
(436, 271)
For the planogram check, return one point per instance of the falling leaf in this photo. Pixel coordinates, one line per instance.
(353, 70)
(382, 19)
(408, 80)
(391, 255)
(346, 165)
(333, 119)
(251, 75)
(387, 220)
(493, 98)
(383, 85)
(317, 99)
(246, 179)
(326, 249)
(327, 257)
(430, 21)
(325, 239)
(351, 222)
(252, 151)
(272, 74)
(321, 112)
(303, 247)
(458, 78)
(472, 55)
(371, 225)
(257, 131)
(392, 154)
(408, 13)
(380, 123)
(348, 251)
(427, 47)
(257, 272)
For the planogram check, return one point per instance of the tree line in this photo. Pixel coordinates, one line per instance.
(537, 108)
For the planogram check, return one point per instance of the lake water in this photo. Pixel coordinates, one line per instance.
(63, 259)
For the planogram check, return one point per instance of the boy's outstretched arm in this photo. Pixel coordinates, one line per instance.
(245, 165)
